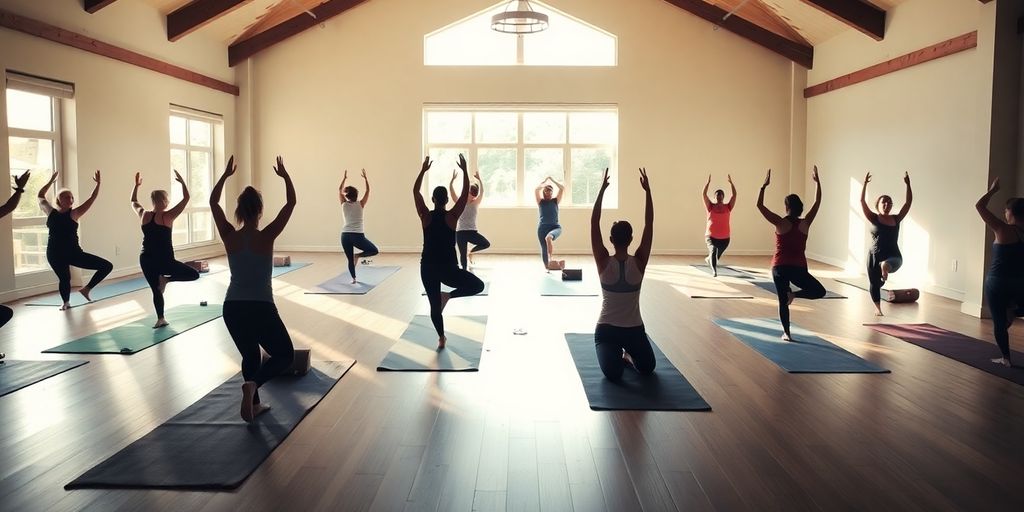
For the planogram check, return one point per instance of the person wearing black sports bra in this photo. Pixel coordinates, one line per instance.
(62, 248)
(884, 256)
(1004, 283)
(7, 313)
(157, 256)
(438, 263)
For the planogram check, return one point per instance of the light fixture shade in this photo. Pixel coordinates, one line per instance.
(519, 18)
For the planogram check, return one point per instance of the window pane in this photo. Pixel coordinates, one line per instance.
(179, 234)
(588, 165)
(199, 133)
(177, 130)
(470, 43)
(30, 249)
(593, 127)
(29, 111)
(544, 127)
(498, 172)
(440, 173)
(541, 163)
(201, 226)
(178, 163)
(496, 127)
(448, 127)
(568, 42)
(35, 155)
(199, 171)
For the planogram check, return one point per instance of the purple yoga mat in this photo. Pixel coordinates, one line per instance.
(953, 345)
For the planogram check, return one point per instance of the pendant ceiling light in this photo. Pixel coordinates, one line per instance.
(519, 18)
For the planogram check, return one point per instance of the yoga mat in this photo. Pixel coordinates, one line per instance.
(769, 286)
(808, 354)
(967, 350)
(139, 335)
(102, 291)
(417, 350)
(551, 285)
(724, 271)
(706, 288)
(664, 390)
(278, 271)
(862, 286)
(208, 446)
(15, 375)
(368, 277)
(446, 288)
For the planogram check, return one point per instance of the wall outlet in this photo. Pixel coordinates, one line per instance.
(956, 264)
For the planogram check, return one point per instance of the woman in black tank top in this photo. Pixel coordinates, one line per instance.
(157, 256)
(1004, 283)
(884, 255)
(438, 263)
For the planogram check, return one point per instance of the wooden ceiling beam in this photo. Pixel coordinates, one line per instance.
(858, 14)
(800, 53)
(197, 13)
(241, 50)
(91, 6)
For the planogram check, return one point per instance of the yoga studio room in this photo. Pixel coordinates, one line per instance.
(311, 255)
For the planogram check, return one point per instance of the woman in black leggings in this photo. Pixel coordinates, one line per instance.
(884, 257)
(7, 313)
(466, 232)
(157, 256)
(1004, 284)
(438, 263)
(62, 249)
(249, 311)
(352, 236)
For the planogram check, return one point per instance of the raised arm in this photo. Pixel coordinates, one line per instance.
(538, 193)
(479, 187)
(451, 186)
(44, 204)
(643, 251)
(561, 189)
(417, 186)
(868, 214)
(813, 212)
(12, 202)
(84, 207)
(704, 194)
(460, 204)
(277, 225)
(366, 192)
(136, 206)
(769, 215)
(180, 207)
(732, 188)
(909, 199)
(596, 243)
(223, 226)
(341, 188)
(994, 223)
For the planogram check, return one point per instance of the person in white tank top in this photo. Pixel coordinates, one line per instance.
(466, 232)
(620, 338)
(352, 236)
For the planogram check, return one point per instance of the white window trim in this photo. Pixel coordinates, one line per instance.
(213, 119)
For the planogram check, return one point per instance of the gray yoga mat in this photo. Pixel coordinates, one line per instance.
(769, 286)
(446, 288)
(552, 285)
(664, 390)
(139, 335)
(15, 375)
(417, 350)
(208, 446)
(296, 265)
(724, 271)
(807, 354)
(367, 278)
(706, 288)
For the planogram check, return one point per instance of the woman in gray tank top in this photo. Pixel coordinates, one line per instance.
(249, 311)
(466, 232)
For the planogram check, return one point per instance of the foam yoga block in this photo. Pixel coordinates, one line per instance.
(572, 274)
(300, 364)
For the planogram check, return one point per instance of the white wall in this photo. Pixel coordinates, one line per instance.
(691, 101)
(120, 124)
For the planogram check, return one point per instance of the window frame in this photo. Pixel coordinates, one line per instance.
(186, 214)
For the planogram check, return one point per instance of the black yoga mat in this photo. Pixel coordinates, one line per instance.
(15, 375)
(808, 353)
(967, 350)
(208, 446)
(769, 286)
(724, 272)
(664, 390)
(367, 278)
(417, 350)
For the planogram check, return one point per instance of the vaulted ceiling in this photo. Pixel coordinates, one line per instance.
(789, 27)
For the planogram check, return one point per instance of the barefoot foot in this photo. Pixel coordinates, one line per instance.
(445, 297)
(628, 360)
(66, 306)
(258, 409)
(85, 292)
(248, 394)
(787, 337)
(163, 284)
(790, 296)
(160, 322)
(441, 342)
(1002, 360)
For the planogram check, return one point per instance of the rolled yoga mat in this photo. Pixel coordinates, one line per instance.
(967, 350)
(769, 286)
(367, 278)
(808, 354)
(208, 446)
(139, 335)
(664, 390)
(552, 285)
(417, 350)
(15, 375)
(724, 271)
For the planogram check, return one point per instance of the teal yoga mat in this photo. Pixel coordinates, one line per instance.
(291, 268)
(139, 335)
(103, 291)
(807, 354)
(15, 375)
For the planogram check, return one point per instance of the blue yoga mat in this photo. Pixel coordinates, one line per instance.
(15, 375)
(664, 390)
(769, 286)
(139, 335)
(417, 350)
(291, 268)
(367, 278)
(807, 354)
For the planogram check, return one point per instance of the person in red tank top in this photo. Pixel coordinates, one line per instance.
(789, 265)
(717, 234)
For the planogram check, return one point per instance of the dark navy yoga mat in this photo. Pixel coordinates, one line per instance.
(807, 354)
(15, 375)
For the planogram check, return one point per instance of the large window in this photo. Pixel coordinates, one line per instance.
(192, 154)
(34, 140)
(515, 149)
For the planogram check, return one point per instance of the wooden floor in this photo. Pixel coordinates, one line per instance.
(933, 435)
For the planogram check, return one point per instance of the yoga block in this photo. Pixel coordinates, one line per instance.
(201, 266)
(902, 296)
(282, 261)
(301, 363)
(572, 274)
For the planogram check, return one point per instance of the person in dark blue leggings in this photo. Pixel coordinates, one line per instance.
(7, 313)
(548, 228)
(352, 236)
(1004, 283)
(438, 263)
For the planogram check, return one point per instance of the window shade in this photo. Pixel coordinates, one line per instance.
(33, 84)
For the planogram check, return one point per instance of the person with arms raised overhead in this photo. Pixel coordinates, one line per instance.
(884, 256)
(717, 234)
(1004, 283)
(352, 236)
(7, 313)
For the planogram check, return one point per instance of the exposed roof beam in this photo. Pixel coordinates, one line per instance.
(241, 50)
(797, 52)
(92, 6)
(856, 13)
(197, 13)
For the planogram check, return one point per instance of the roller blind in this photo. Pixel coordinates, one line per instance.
(37, 85)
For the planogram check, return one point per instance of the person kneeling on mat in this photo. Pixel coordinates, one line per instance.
(620, 338)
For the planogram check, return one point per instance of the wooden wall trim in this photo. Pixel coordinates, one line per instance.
(75, 40)
(936, 51)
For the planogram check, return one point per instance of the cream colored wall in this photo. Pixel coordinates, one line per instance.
(923, 120)
(691, 101)
(120, 121)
